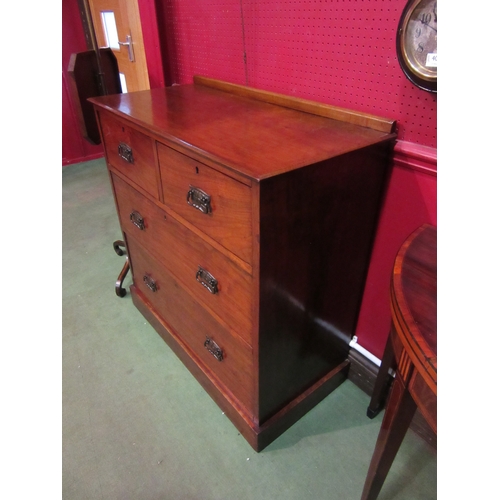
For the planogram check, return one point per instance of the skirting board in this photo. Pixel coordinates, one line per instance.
(363, 373)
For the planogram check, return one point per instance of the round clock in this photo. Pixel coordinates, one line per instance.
(416, 43)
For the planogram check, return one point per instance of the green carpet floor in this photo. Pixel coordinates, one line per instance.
(137, 425)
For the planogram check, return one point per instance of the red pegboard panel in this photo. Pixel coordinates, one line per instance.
(340, 52)
(204, 37)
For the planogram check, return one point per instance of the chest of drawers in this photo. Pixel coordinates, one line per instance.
(248, 218)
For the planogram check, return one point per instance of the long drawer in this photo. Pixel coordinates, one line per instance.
(130, 151)
(226, 358)
(213, 279)
(215, 203)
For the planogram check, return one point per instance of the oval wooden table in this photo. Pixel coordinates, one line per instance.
(411, 350)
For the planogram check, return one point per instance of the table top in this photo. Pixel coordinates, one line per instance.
(258, 139)
(414, 300)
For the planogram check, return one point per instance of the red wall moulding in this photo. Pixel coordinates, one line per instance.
(416, 157)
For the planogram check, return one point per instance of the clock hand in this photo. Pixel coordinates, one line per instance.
(428, 25)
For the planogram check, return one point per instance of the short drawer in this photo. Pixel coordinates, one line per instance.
(228, 359)
(189, 258)
(130, 151)
(215, 203)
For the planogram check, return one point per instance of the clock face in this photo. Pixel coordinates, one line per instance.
(417, 43)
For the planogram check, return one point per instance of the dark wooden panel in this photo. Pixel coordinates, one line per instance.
(85, 83)
(317, 227)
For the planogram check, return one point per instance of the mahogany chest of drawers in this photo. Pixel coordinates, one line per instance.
(248, 218)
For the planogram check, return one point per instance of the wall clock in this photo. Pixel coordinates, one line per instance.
(416, 43)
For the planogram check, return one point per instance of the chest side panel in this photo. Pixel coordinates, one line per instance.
(316, 231)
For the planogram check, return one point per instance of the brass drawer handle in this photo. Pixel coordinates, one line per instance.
(213, 349)
(199, 199)
(150, 283)
(125, 152)
(137, 219)
(207, 280)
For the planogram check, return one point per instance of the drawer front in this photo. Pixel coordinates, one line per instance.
(215, 203)
(189, 258)
(216, 349)
(131, 152)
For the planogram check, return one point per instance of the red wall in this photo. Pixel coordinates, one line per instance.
(338, 52)
(411, 201)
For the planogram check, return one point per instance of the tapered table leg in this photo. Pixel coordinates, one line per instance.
(383, 382)
(413, 341)
(398, 415)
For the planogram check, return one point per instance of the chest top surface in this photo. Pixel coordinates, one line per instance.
(257, 139)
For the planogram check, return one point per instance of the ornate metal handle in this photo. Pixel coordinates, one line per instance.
(125, 152)
(137, 219)
(199, 199)
(207, 280)
(150, 283)
(213, 349)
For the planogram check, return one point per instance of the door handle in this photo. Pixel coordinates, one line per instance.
(130, 47)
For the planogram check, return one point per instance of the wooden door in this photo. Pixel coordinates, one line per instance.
(117, 25)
